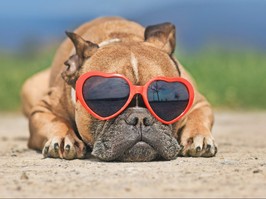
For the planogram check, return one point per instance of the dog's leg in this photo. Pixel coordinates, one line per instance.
(53, 135)
(33, 90)
(195, 136)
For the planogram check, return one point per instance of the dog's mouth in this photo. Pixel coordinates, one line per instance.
(140, 152)
(119, 141)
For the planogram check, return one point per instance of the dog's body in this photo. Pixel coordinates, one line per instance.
(62, 128)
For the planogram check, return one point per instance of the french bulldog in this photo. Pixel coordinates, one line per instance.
(61, 127)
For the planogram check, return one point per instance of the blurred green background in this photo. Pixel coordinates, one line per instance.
(225, 53)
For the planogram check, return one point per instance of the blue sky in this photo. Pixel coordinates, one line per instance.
(198, 22)
(66, 8)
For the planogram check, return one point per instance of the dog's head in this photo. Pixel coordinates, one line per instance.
(134, 135)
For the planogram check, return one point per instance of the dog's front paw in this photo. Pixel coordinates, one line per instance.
(199, 145)
(66, 147)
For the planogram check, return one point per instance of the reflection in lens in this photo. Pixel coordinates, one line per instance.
(168, 99)
(105, 96)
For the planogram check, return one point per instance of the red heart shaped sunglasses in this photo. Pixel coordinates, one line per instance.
(105, 96)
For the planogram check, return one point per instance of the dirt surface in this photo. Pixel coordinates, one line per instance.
(238, 170)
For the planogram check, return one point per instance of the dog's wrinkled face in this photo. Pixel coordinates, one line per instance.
(135, 135)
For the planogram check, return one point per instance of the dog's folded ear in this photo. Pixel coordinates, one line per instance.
(161, 36)
(84, 49)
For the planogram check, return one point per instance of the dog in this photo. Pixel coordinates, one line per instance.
(61, 127)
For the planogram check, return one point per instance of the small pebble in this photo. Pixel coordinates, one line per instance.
(257, 171)
(127, 189)
(24, 176)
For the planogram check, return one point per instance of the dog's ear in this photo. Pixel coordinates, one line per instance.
(161, 36)
(84, 49)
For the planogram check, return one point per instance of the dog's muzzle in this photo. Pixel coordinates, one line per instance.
(135, 135)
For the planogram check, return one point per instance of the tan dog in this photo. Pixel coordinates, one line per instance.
(62, 128)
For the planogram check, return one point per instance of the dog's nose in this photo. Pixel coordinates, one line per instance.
(139, 116)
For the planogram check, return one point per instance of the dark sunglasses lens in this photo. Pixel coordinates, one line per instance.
(168, 99)
(105, 96)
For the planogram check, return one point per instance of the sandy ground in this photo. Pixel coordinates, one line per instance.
(238, 170)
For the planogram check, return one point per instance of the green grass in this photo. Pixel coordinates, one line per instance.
(15, 69)
(229, 79)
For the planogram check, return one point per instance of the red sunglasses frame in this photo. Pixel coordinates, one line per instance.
(142, 90)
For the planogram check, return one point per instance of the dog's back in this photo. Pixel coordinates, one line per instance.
(101, 31)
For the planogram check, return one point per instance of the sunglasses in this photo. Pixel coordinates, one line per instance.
(105, 96)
